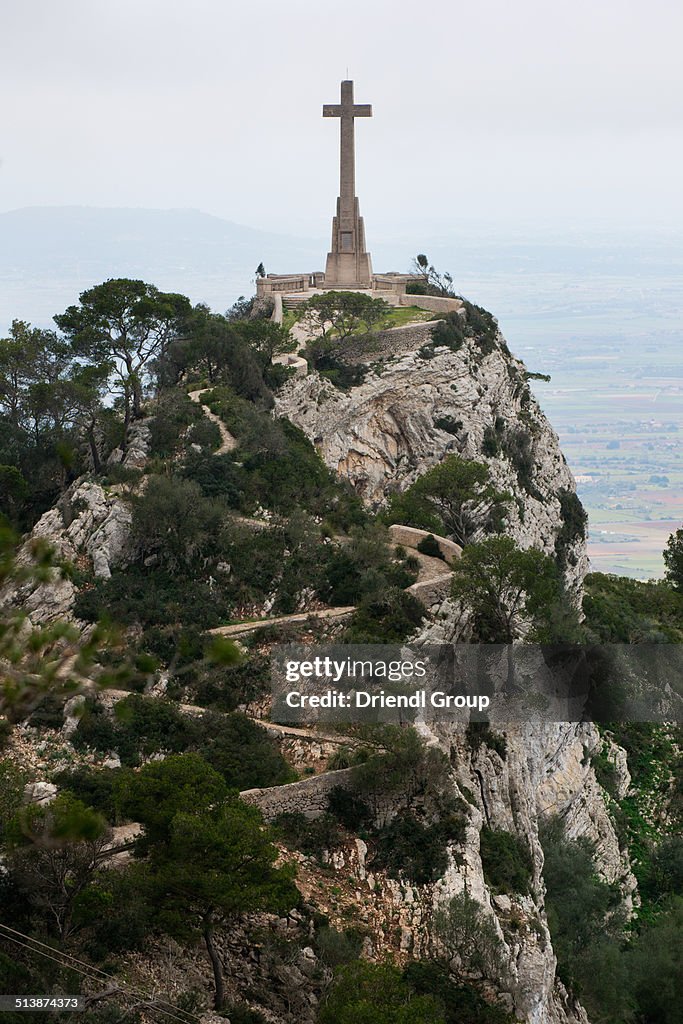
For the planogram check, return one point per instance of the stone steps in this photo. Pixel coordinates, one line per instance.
(294, 301)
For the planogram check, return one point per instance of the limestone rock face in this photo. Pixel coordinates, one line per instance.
(545, 771)
(407, 416)
(411, 412)
(89, 523)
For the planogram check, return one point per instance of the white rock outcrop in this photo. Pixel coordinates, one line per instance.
(389, 430)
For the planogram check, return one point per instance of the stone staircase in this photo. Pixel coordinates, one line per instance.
(294, 301)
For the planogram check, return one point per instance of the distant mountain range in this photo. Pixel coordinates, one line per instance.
(48, 255)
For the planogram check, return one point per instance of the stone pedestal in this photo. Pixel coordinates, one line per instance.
(348, 264)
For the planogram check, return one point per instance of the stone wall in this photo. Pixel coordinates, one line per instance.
(435, 303)
(387, 344)
(308, 797)
(410, 537)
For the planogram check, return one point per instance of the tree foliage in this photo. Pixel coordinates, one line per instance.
(338, 315)
(507, 589)
(673, 560)
(366, 993)
(125, 324)
(455, 497)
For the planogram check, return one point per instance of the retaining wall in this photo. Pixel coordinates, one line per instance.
(435, 303)
(308, 797)
(410, 537)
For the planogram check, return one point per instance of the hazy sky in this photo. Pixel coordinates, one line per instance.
(531, 112)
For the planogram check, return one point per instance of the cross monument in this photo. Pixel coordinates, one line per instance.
(348, 264)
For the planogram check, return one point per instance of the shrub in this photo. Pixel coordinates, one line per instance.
(573, 528)
(312, 837)
(586, 931)
(223, 688)
(5, 733)
(407, 847)
(141, 726)
(467, 933)
(242, 751)
(506, 861)
(430, 546)
(482, 326)
(240, 1013)
(385, 619)
(335, 948)
(491, 443)
(516, 445)
(376, 994)
(462, 1002)
(173, 414)
(97, 788)
(175, 523)
(448, 424)
(348, 808)
(480, 733)
(449, 331)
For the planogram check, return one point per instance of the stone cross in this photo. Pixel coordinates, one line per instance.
(348, 264)
(347, 110)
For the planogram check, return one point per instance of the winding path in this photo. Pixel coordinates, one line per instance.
(433, 573)
(228, 442)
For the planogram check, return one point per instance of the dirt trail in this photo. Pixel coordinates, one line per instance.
(228, 442)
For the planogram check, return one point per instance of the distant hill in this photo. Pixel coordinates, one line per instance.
(48, 255)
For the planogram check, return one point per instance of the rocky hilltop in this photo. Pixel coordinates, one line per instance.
(217, 514)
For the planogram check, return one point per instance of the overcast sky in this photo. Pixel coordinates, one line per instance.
(532, 112)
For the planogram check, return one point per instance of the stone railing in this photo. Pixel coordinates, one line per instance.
(435, 303)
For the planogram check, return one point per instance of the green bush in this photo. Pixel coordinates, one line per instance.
(506, 861)
(462, 1003)
(449, 331)
(408, 847)
(335, 948)
(223, 688)
(385, 619)
(430, 546)
(140, 726)
(313, 837)
(448, 424)
(585, 928)
(5, 733)
(482, 326)
(96, 787)
(175, 523)
(242, 751)
(622, 610)
(480, 734)
(365, 993)
(348, 808)
(573, 528)
(173, 414)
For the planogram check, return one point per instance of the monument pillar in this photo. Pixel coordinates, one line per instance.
(348, 263)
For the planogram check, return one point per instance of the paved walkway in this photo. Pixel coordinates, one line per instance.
(241, 628)
(228, 442)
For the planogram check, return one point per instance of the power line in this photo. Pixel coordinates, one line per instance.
(158, 1006)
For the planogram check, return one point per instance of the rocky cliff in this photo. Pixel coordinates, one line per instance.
(416, 407)
(412, 409)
